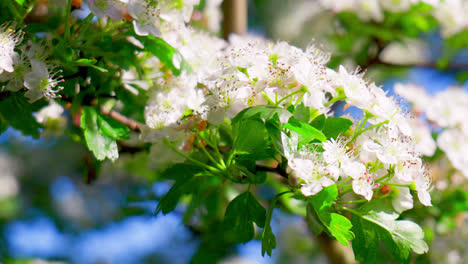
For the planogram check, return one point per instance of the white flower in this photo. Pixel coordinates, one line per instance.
(369, 10)
(8, 41)
(364, 186)
(425, 144)
(355, 89)
(389, 149)
(52, 111)
(451, 15)
(455, 145)
(153, 17)
(415, 94)
(448, 108)
(41, 82)
(114, 9)
(403, 201)
(168, 108)
(15, 79)
(423, 186)
(396, 5)
(313, 173)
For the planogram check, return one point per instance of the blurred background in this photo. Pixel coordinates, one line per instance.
(56, 208)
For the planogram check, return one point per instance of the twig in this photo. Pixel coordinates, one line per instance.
(276, 170)
(132, 124)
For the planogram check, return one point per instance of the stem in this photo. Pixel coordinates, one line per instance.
(209, 155)
(276, 170)
(399, 185)
(67, 20)
(212, 145)
(352, 202)
(287, 96)
(132, 124)
(168, 143)
(359, 132)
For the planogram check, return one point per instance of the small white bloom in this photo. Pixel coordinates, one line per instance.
(42, 81)
(364, 186)
(9, 38)
(114, 9)
(403, 201)
(52, 111)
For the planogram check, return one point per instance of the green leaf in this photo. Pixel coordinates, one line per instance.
(102, 145)
(20, 2)
(112, 128)
(165, 53)
(183, 174)
(249, 135)
(268, 238)
(89, 63)
(264, 112)
(375, 222)
(16, 111)
(333, 126)
(318, 122)
(302, 113)
(307, 131)
(240, 215)
(337, 225)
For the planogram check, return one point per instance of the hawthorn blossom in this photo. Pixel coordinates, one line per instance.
(52, 119)
(9, 39)
(152, 17)
(15, 79)
(114, 9)
(455, 145)
(42, 81)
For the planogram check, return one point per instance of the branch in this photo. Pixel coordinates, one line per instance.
(276, 170)
(132, 124)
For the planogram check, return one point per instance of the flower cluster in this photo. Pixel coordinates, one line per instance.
(26, 67)
(446, 110)
(449, 13)
(149, 17)
(228, 77)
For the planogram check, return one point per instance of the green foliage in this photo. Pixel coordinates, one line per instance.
(185, 182)
(376, 222)
(333, 126)
(337, 225)
(17, 112)
(101, 144)
(307, 131)
(165, 53)
(240, 215)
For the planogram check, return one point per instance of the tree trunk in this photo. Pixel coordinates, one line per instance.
(235, 17)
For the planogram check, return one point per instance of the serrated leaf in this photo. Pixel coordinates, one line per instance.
(101, 145)
(305, 130)
(337, 225)
(264, 113)
(318, 122)
(16, 111)
(302, 113)
(165, 53)
(268, 240)
(112, 128)
(377, 221)
(240, 215)
(333, 126)
(183, 174)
